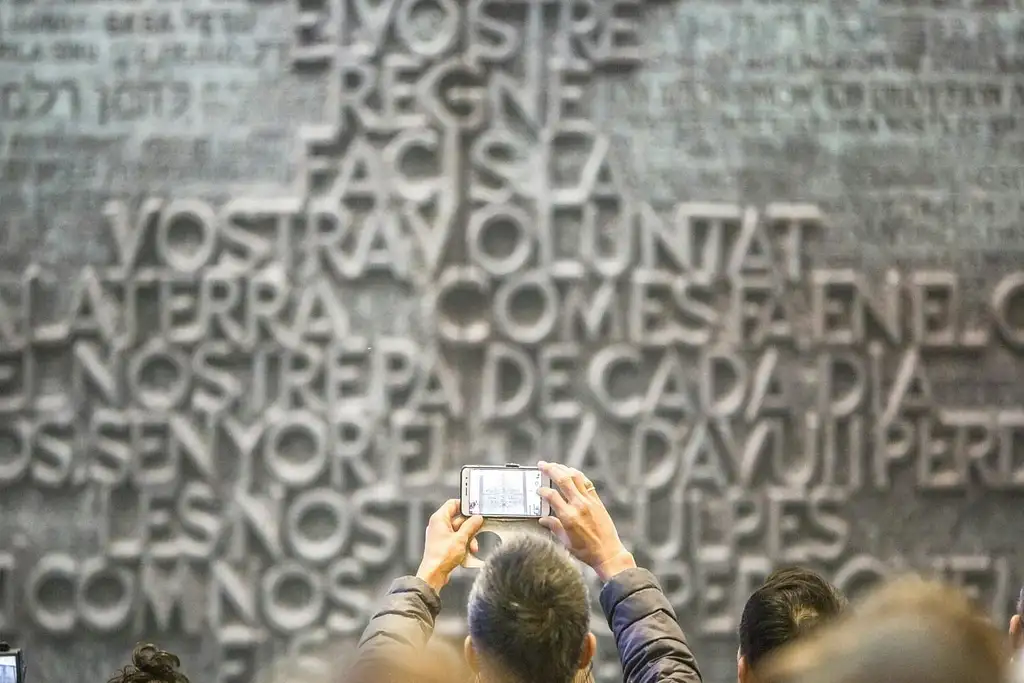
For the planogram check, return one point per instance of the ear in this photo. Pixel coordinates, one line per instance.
(588, 651)
(470, 653)
(742, 670)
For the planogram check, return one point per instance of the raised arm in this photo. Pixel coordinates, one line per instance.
(403, 624)
(405, 619)
(651, 644)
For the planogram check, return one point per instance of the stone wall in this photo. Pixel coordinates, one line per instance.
(273, 270)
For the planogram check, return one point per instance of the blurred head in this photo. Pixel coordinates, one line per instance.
(151, 665)
(790, 604)
(439, 662)
(909, 631)
(444, 663)
(529, 617)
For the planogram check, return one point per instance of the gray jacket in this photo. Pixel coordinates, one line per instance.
(652, 646)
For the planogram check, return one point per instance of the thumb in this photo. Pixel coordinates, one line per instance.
(470, 528)
(554, 525)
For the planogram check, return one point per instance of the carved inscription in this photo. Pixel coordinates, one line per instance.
(256, 399)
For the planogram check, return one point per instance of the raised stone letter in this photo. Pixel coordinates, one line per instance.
(453, 281)
(181, 215)
(283, 613)
(16, 447)
(620, 42)
(7, 588)
(541, 323)
(331, 537)
(842, 382)
(52, 619)
(720, 367)
(592, 314)
(911, 391)
(445, 95)
(794, 222)
(859, 573)
(345, 581)
(159, 376)
(129, 238)
(508, 383)
(302, 429)
(507, 226)
(442, 35)
(436, 386)
(102, 617)
(936, 309)
(599, 378)
(557, 402)
(92, 311)
(1005, 296)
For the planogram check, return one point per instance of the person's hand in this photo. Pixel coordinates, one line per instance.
(582, 523)
(450, 536)
(1017, 627)
(1017, 635)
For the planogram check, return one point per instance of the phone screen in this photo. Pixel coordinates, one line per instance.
(9, 669)
(504, 492)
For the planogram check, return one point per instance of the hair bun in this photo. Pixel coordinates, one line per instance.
(157, 664)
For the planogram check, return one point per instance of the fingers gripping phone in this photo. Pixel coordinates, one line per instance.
(1017, 623)
(503, 492)
(12, 664)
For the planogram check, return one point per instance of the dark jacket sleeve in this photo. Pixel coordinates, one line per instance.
(402, 625)
(652, 646)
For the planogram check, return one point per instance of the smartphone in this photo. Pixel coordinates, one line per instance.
(504, 491)
(12, 665)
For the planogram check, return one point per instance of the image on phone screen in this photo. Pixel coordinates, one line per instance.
(8, 669)
(504, 492)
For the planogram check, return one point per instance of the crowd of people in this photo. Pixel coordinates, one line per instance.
(529, 618)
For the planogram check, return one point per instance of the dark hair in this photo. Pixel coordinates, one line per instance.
(791, 603)
(528, 611)
(151, 665)
(907, 631)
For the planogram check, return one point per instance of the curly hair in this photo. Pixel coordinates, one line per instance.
(150, 664)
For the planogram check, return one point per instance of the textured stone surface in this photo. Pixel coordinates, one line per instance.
(272, 271)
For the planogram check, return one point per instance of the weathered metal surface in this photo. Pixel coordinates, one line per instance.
(273, 271)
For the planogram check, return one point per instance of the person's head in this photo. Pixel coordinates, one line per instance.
(151, 665)
(439, 661)
(789, 604)
(444, 663)
(529, 617)
(908, 631)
